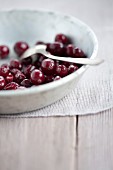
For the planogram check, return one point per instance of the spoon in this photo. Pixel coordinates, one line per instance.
(42, 50)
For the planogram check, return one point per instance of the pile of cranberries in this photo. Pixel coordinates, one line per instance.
(27, 73)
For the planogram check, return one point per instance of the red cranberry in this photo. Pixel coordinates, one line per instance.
(48, 78)
(15, 64)
(11, 86)
(28, 69)
(4, 51)
(64, 52)
(40, 42)
(57, 78)
(55, 48)
(19, 77)
(62, 38)
(20, 47)
(26, 83)
(57, 62)
(61, 70)
(26, 61)
(15, 71)
(69, 50)
(48, 66)
(4, 70)
(67, 64)
(2, 82)
(78, 52)
(37, 77)
(72, 68)
(9, 78)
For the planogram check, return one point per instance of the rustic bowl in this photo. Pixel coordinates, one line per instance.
(31, 26)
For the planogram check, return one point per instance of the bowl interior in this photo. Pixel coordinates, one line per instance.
(32, 26)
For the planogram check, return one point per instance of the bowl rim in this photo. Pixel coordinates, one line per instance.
(52, 85)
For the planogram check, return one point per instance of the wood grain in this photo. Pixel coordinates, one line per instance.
(59, 143)
(95, 141)
(37, 143)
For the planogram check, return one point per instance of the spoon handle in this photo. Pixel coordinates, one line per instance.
(75, 60)
(42, 49)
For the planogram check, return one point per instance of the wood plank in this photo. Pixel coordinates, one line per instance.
(37, 143)
(95, 141)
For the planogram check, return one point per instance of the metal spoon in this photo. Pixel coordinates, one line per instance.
(42, 50)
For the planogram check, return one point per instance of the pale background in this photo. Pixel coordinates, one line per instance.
(63, 143)
(90, 11)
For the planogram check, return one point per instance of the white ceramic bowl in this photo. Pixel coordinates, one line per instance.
(31, 26)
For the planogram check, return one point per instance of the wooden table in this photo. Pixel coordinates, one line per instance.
(64, 143)
(57, 143)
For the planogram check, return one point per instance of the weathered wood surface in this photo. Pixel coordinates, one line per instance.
(63, 143)
(95, 142)
(37, 143)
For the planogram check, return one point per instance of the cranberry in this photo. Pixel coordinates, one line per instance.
(28, 69)
(9, 78)
(78, 52)
(57, 78)
(48, 78)
(40, 42)
(26, 83)
(15, 64)
(55, 48)
(15, 71)
(69, 50)
(61, 70)
(20, 47)
(72, 68)
(4, 51)
(37, 77)
(2, 82)
(64, 52)
(4, 70)
(19, 77)
(48, 66)
(11, 86)
(26, 61)
(62, 38)
(67, 64)
(57, 62)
